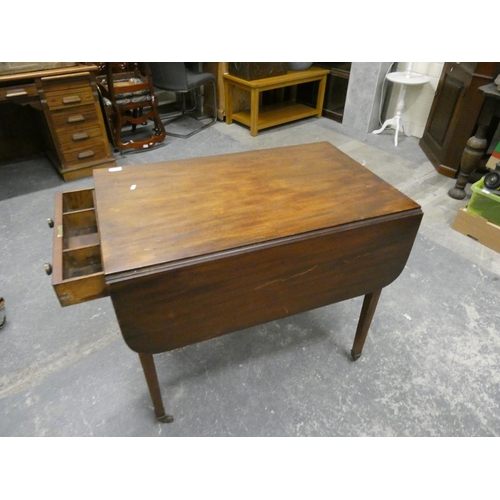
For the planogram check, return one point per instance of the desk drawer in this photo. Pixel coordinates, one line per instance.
(68, 91)
(77, 274)
(89, 151)
(80, 136)
(69, 98)
(78, 139)
(75, 120)
(19, 93)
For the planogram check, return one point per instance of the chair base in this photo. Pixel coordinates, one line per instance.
(190, 134)
(185, 112)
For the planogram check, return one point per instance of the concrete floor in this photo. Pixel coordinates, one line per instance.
(430, 366)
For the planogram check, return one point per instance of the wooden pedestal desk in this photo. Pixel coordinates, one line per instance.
(275, 114)
(189, 250)
(76, 141)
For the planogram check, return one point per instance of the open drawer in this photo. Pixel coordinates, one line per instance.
(77, 273)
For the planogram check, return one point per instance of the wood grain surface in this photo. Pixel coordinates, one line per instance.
(205, 298)
(162, 213)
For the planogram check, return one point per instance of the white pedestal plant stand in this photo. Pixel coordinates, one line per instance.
(404, 78)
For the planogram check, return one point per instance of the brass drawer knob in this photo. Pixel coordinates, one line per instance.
(48, 269)
(50, 222)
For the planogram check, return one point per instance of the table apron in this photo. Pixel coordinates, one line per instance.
(262, 88)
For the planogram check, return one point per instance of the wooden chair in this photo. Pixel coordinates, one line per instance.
(129, 100)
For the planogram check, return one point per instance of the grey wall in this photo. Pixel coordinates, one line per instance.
(364, 94)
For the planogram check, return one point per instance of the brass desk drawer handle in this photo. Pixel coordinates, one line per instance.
(85, 154)
(16, 93)
(80, 136)
(75, 119)
(71, 99)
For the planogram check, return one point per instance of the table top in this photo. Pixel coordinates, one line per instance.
(8, 78)
(289, 77)
(408, 78)
(163, 213)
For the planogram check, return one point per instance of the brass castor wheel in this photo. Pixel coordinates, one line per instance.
(165, 419)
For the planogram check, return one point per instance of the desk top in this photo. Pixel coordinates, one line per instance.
(163, 213)
(9, 77)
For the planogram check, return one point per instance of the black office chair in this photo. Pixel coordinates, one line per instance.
(176, 77)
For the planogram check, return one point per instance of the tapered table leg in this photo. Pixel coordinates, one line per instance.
(365, 319)
(148, 366)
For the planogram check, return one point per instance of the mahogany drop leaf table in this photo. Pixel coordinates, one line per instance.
(189, 250)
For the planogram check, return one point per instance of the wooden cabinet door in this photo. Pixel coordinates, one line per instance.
(454, 113)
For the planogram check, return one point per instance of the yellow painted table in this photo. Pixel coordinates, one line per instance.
(275, 114)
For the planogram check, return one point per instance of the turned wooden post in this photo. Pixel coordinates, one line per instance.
(478, 143)
(473, 152)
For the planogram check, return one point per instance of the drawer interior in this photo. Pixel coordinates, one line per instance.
(80, 229)
(80, 235)
(78, 272)
(78, 200)
(82, 262)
